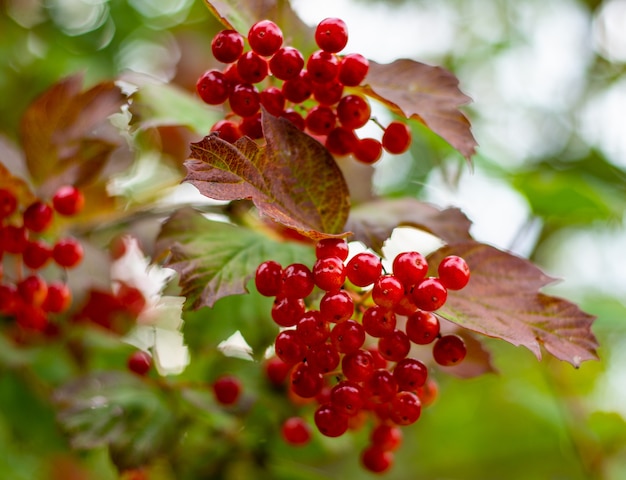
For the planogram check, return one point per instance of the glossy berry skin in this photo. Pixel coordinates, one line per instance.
(387, 437)
(387, 291)
(268, 278)
(410, 268)
(328, 93)
(227, 130)
(139, 362)
(329, 273)
(396, 138)
(331, 247)
(358, 366)
(353, 69)
(8, 203)
(422, 327)
(367, 150)
(323, 357)
(286, 63)
(449, 350)
(276, 371)
(322, 67)
(227, 389)
(376, 460)
(227, 46)
(251, 126)
(265, 37)
(32, 290)
(378, 321)
(36, 254)
(252, 67)
(287, 311)
(67, 252)
(331, 35)
(244, 100)
(336, 306)
(294, 117)
(429, 295)
(347, 397)
(381, 386)
(273, 100)
(353, 111)
(410, 374)
(312, 328)
(305, 381)
(454, 273)
(297, 280)
(289, 348)
(340, 141)
(330, 421)
(299, 88)
(347, 336)
(38, 216)
(295, 431)
(405, 408)
(363, 269)
(68, 200)
(212, 87)
(395, 346)
(320, 120)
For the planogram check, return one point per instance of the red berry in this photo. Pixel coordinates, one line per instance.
(330, 421)
(329, 273)
(294, 117)
(305, 381)
(299, 88)
(378, 321)
(273, 100)
(296, 431)
(347, 336)
(286, 311)
(376, 460)
(395, 346)
(353, 69)
(67, 252)
(213, 87)
(289, 347)
(265, 37)
(268, 278)
(38, 216)
(331, 35)
(322, 67)
(323, 357)
(8, 203)
(297, 281)
(227, 389)
(331, 247)
(422, 327)
(347, 397)
(454, 273)
(312, 328)
(276, 370)
(33, 290)
(449, 350)
(358, 366)
(428, 393)
(231, 74)
(405, 408)
(410, 374)
(396, 138)
(386, 437)
(381, 386)
(227, 130)
(251, 126)
(363, 269)
(336, 307)
(244, 100)
(9, 299)
(139, 362)
(68, 200)
(36, 254)
(320, 120)
(410, 268)
(13, 239)
(328, 93)
(131, 298)
(387, 291)
(429, 294)
(58, 298)
(227, 46)
(353, 111)
(340, 141)
(367, 150)
(252, 67)
(287, 63)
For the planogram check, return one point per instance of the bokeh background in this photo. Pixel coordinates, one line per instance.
(548, 83)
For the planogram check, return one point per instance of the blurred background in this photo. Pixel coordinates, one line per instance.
(548, 83)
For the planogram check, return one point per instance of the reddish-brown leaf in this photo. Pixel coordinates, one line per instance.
(427, 93)
(373, 222)
(61, 132)
(502, 300)
(293, 180)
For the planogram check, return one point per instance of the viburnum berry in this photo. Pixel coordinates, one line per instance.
(276, 370)
(305, 381)
(67, 252)
(353, 111)
(322, 67)
(273, 100)
(340, 141)
(410, 374)
(265, 37)
(405, 408)
(312, 328)
(330, 421)
(422, 327)
(378, 321)
(449, 350)
(286, 63)
(336, 306)
(294, 117)
(381, 386)
(331, 35)
(212, 87)
(139, 362)
(58, 298)
(395, 346)
(347, 397)
(131, 297)
(244, 100)
(227, 46)
(289, 347)
(13, 239)
(9, 298)
(323, 357)
(454, 273)
(405, 306)
(353, 69)
(299, 88)
(358, 366)
(295, 431)
(32, 290)
(227, 130)
(8, 203)
(297, 281)
(387, 437)
(331, 247)
(429, 294)
(38, 216)
(68, 200)
(251, 126)
(363, 269)
(328, 93)
(231, 74)
(410, 268)
(329, 273)
(396, 138)
(36, 254)
(376, 460)
(428, 393)
(367, 150)
(268, 278)
(387, 291)
(227, 389)
(252, 67)
(320, 120)
(347, 336)
(286, 311)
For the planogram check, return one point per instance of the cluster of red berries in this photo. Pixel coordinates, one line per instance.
(351, 351)
(25, 295)
(310, 94)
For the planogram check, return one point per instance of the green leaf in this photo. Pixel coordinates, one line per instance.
(118, 410)
(429, 94)
(293, 180)
(502, 300)
(216, 259)
(373, 222)
(157, 105)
